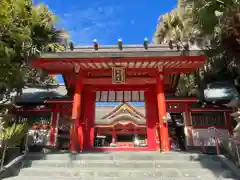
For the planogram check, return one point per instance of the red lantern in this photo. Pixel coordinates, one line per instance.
(45, 126)
(35, 127)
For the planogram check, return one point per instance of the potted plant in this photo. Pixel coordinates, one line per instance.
(12, 136)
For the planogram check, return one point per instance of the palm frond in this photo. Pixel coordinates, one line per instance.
(11, 135)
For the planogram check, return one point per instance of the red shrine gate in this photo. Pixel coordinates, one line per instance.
(153, 69)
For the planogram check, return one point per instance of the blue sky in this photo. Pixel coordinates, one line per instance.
(109, 20)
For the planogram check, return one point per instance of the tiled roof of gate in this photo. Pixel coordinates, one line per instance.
(130, 56)
(126, 51)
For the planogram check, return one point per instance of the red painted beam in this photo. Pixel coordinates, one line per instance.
(58, 102)
(61, 70)
(33, 110)
(168, 101)
(125, 132)
(182, 101)
(120, 87)
(175, 110)
(70, 78)
(129, 81)
(108, 80)
(103, 126)
(177, 70)
(209, 110)
(144, 87)
(56, 72)
(41, 61)
(109, 71)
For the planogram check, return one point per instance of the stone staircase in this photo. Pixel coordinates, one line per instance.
(123, 166)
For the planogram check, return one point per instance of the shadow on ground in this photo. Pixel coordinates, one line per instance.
(211, 161)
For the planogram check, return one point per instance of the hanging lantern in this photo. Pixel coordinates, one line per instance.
(118, 75)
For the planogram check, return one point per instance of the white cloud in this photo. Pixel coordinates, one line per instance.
(87, 23)
(95, 22)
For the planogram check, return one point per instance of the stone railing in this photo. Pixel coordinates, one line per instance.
(229, 144)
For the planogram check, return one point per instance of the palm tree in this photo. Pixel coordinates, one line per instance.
(174, 28)
(25, 31)
(169, 29)
(219, 19)
(44, 35)
(179, 26)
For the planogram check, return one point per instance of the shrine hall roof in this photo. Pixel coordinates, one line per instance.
(123, 111)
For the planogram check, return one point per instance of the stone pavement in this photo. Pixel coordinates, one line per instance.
(123, 166)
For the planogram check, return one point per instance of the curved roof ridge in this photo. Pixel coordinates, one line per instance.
(121, 105)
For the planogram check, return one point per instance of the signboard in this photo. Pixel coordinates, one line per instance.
(118, 75)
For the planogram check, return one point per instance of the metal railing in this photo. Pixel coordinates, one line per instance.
(228, 143)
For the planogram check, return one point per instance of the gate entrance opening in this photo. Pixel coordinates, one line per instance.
(120, 125)
(120, 120)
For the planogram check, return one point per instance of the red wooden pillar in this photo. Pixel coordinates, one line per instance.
(229, 123)
(162, 115)
(89, 116)
(73, 138)
(76, 132)
(98, 131)
(188, 125)
(113, 136)
(53, 125)
(81, 137)
(152, 119)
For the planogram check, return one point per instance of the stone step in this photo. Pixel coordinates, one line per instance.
(123, 173)
(102, 178)
(123, 164)
(123, 156)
